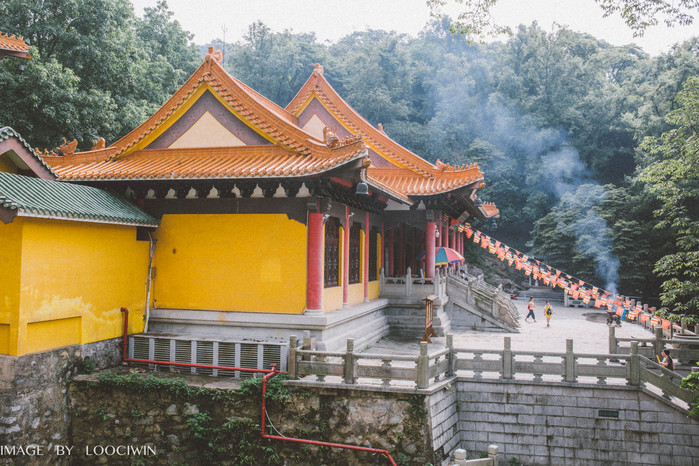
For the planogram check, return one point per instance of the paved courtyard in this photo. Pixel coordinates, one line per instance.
(587, 327)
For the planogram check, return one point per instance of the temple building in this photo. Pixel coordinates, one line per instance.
(248, 220)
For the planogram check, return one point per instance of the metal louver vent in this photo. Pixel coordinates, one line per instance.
(272, 355)
(226, 357)
(248, 358)
(205, 355)
(161, 350)
(140, 349)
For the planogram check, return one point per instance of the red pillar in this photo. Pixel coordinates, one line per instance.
(382, 249)
(391, 234)
(345, 260)
(441, 235)
(452, 239)
(314, 290)
(446, 243)
(366, 259)
(429, 249)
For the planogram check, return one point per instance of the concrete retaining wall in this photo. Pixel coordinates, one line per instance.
(576, 425)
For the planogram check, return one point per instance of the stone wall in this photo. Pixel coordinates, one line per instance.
(34, 399)
(211, 421)
(444, 418)
(561, 424)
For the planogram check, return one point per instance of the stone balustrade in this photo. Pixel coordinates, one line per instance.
(426, 370)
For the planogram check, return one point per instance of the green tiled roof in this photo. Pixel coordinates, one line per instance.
(33, 197)
(7, 132)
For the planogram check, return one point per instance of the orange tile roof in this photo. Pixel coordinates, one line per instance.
(266, 161)
(274, 121)
(13, 44)
(420, 177)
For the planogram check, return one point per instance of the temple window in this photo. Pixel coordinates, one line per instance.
(354, 252)
(332, 253)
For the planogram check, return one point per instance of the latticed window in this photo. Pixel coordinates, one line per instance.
(354, 249)
(332, 253)
(373, 253)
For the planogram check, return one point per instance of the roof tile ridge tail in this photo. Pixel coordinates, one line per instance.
(276, 126)
(174, 102)
(323, 89)
(8, 131)
(13, 41)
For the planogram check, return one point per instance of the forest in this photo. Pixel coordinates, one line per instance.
(589, 150)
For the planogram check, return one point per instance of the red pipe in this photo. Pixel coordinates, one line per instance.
(309, 442)
(268, 375)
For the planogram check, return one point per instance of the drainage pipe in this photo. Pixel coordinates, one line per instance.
(309, 442)
(269, 373)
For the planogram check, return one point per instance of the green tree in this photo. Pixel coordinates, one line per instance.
(673, 176)
(112, 70)
(474, 19)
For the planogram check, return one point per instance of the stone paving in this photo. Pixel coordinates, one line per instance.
(586, 326)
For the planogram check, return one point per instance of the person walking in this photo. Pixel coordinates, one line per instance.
(530, 307)
(667, 361)
(548, 312)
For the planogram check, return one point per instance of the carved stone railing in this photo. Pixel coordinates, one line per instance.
(407, 285)
(475, 292)
(683, 349)
(424, 370)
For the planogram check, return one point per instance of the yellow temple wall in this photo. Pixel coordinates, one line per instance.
(10, 272)
(74, 279)
(231, 262)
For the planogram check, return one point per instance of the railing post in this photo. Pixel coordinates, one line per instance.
(291, 363)
(382, 281)
(350, 362)
(658, 343)
(507, 359)
(423, 373)
(307, 344)
(451, 355)
(683, 325)
(570, 375)
(634, 366)
(408, 283)
(435, 282)
(612, 340)
(493, 453)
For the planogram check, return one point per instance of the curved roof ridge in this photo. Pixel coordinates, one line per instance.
(276, 122)
(317, 84)
(8, 132)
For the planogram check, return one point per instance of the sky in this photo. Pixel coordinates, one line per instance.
(332, 19)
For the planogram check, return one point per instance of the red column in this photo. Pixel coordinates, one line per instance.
(345, 261)
(452, 239)
(429, 249)
(441, 235)
(366, 259)
(314, 290)
(391, 234)
(446, 242)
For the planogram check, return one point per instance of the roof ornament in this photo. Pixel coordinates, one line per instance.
(318, 69)
(381, 128)
(98, 144)
(45, 152)
(329, 136)
(215, 55)
(67, 148)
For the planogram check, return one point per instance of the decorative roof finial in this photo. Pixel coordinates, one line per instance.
(67, 148)
(215, 55)
(381, 128)
(318, 69)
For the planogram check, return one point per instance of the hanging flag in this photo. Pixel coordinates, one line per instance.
(666, 323)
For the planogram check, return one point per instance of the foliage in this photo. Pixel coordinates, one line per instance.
(673, 176)
(475, 21)
(88, 366)
(691, 382)
(276, 390)
(97, 70)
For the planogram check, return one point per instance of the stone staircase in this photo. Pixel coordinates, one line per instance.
(476, 305)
